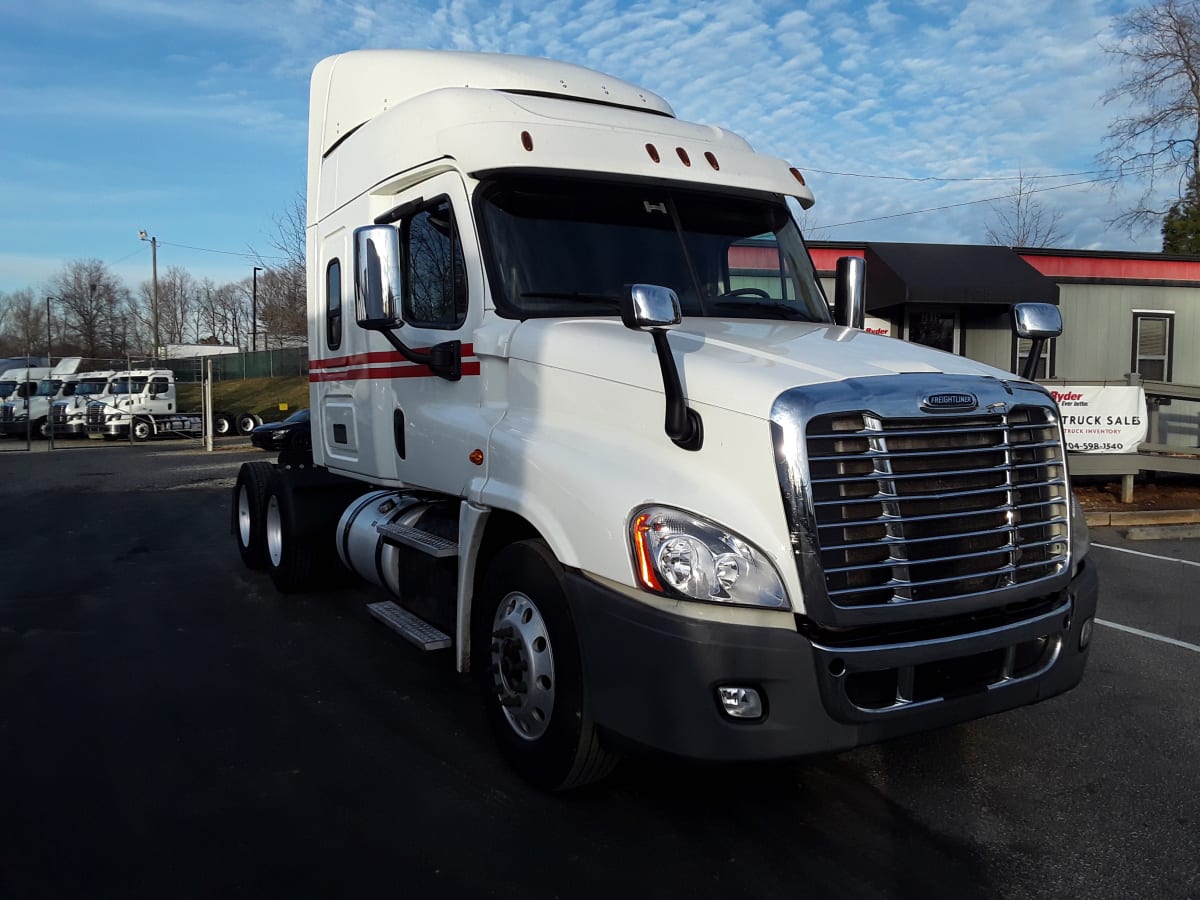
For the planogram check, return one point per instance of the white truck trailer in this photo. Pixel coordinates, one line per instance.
(651, 499)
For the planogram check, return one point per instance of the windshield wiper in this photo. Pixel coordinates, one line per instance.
(584, 299)
(757, 308)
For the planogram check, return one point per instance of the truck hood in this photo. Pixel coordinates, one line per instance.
(736, 365)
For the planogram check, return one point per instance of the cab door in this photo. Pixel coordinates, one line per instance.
(426, 425)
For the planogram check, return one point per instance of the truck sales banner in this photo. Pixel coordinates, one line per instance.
(1102, 419)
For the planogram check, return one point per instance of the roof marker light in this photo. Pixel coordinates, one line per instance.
(712, 160)
(527, 141)
(653, 151)
(683, 157)
(796, 174)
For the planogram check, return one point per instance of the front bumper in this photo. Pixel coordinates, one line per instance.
(653, 676)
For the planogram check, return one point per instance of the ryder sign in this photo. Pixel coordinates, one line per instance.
(1102, 419)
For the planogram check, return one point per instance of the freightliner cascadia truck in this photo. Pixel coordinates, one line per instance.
(650, 495)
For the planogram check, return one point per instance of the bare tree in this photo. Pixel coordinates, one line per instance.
(94, 306)
(282, 295)
(26, 322)
(1158, 140)
(1021, 219)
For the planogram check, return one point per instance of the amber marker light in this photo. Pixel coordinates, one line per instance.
(796, 174)
(527, 141)
(683, 156)
(653, 151)
(476, 457)
(712, 160)
(641, 552)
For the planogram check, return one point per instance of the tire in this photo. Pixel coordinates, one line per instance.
(248, 511)
(290, 551)
(530, 674)
(223, 424)
(141, 430)
(247, 422)
(41, 429)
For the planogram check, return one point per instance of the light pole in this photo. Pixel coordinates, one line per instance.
(254, 309)
(49, 361)
(154, 288)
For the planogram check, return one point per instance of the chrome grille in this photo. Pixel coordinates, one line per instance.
(6, 413)
(58, 413)
(939, 507)
(95, 413)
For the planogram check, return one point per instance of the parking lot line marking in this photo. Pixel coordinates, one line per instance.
(1182, 562)
(1149, 634)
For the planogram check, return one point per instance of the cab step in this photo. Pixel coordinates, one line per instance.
(408, 626)
(407, 536)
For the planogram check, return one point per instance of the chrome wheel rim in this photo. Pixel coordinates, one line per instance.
(244, 515)
(523, 666)
(274, 531)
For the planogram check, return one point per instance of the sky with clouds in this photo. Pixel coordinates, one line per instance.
(186, 118)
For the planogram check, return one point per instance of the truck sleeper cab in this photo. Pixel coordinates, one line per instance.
(580, 407)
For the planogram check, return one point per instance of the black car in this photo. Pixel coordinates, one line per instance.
(293, 433)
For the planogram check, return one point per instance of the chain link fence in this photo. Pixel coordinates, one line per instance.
(233, 366)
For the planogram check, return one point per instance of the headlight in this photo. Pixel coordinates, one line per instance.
(676, 553)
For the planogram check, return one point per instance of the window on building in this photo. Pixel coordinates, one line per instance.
(1153, 337)
(333, 304)
(1046, 364)
(435, 293)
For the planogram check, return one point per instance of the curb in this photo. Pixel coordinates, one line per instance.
(1143, 517)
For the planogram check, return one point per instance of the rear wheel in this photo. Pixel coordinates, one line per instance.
(249, 504)
(223, 424)
(530, 673)
(247, 422)
(290, 550)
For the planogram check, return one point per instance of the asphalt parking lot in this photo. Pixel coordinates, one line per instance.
(172, 727)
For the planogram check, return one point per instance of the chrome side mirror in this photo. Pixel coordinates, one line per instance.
(377, 284)
(850, 292)
(647, 306)
(1037, 321)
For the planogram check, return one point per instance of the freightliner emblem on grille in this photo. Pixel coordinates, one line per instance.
(949, 401)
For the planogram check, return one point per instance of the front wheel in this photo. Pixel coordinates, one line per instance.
(528, 664)
(142, 430)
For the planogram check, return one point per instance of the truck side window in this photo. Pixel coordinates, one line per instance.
(435, 294)
(158, 386)
(333, 304)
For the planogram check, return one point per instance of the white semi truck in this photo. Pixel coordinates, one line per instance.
(16, 387)
(30, 414)
(651, 499)
(68, 414)
(140, 403)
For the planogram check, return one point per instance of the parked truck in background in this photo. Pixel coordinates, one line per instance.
(31, 414)
(68, 414)
(140, 403)
(651, 496)
(17, 386)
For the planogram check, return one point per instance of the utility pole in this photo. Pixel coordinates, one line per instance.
(254, 310)
(49, 361)
(154, 287)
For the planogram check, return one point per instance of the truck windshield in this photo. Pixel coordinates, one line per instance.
(90, 387)
(128, 386)
(48, 387)
(6, 388)
(567, 247)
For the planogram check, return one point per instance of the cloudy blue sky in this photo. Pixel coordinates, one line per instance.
(187, 118)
